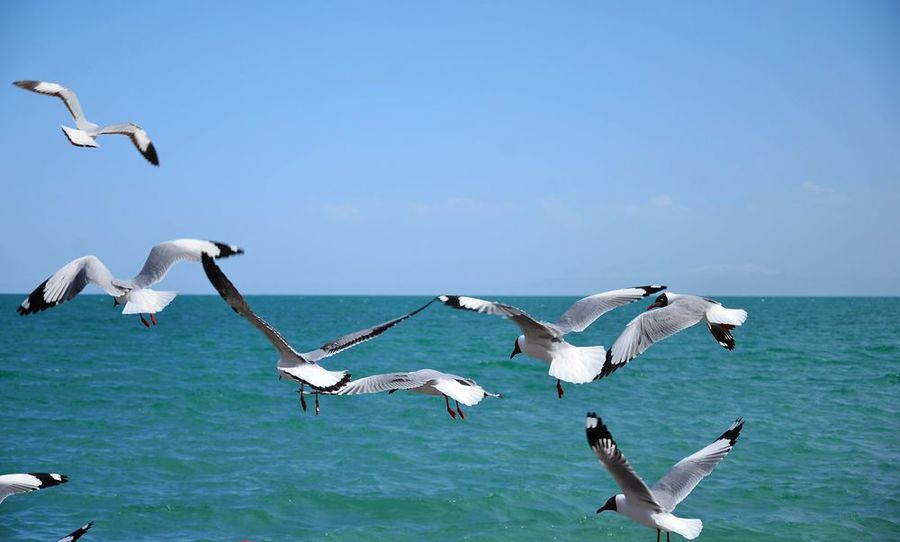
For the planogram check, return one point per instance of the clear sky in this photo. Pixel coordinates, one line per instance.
(467, 147)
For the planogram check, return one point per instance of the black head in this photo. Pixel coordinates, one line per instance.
(661, 301)
(516, 349)
(610, 505)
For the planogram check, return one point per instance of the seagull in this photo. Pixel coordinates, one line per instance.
(10, 484)
(652, 507)
(77, 533)
(544, 340)
(668, 315)
(296, 366)
(427, 381)
(86, 133)
(135, 293)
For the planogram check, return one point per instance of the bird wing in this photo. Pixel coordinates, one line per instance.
(164, 255)
(67, 282)
(77, 533)
(352, 339)
(526, 323)
(11, 484)
(681, 479)
(137, 135)
(383, 382)
(234, 299)
(585, 311)
(644, 330)
(611, 457)
(54, 89)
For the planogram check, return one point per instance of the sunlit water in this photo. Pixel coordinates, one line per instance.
(184, 432)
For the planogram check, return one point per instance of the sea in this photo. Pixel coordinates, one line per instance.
(184, 431)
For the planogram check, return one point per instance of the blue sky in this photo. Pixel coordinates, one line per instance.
(474, 147)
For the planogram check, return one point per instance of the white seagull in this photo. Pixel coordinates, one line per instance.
(653, 507)
(134, 293)
(77, 533)
(668, 315)
(544, 340)
(427, 381)
(11, 484)
(86, 133)
(299, 367)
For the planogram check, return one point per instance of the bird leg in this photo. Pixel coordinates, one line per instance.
(559, 389)
(153, 318)
(302, 399)
(657, 535)
(317, 402)
(461, 415)
(450, 410)
(668, 533)
(144, 321)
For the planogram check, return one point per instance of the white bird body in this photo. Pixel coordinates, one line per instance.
(86, 133)
(545, 340)
(135, 294)
(653, 507)
(664, 521)
(424, 381)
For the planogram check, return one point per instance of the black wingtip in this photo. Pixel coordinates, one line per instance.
(150, 155)
(35, 303)
(227, 250)
(722, 334)
(733, 432)
(450, 301)
(79, 532)
(608, 367)
(49, 479)
(652, 289)
(595, 429)
(26, 84)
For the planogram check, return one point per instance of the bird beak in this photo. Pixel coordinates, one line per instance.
(601, 509)
(655, 305)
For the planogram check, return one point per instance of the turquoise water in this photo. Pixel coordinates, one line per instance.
(184, 432)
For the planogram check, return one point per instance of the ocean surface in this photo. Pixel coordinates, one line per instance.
(184, 432)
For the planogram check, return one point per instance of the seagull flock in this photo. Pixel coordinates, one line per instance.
(545, 341)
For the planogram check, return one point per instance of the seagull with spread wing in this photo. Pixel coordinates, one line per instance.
(669, 314)
(299, 367)
(85, 135)
(653, 507)
(545, 341)
(135, 294)
(425, 381)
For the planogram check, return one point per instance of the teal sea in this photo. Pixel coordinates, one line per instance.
(184, 432)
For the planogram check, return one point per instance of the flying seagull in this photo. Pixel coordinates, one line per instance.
(653, 507)
(427, 381)
(77, 533)
(299, 367)
(668, 315)
(86, 133)
(10, 484)
(544, 340)
(135, 293)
